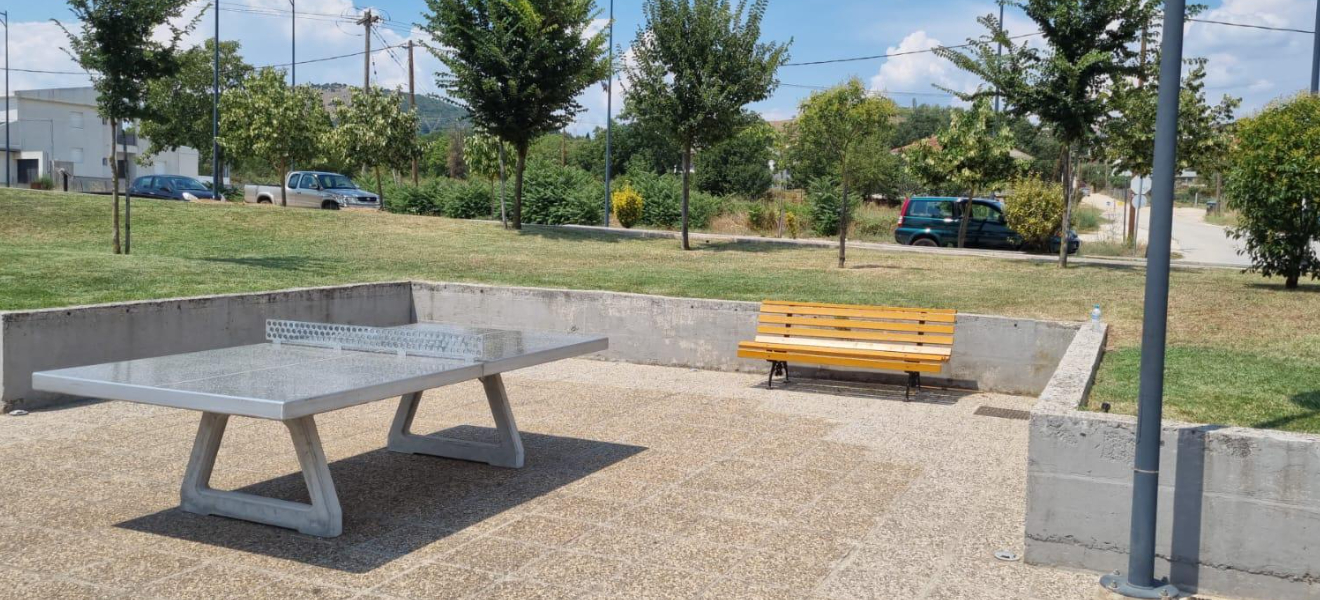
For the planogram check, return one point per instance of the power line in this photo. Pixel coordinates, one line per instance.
(329, 58)
(1250, 26)
(893, 54)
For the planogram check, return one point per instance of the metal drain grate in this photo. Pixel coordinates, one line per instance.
(1003, 413)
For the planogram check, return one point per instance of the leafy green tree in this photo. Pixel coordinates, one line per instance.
(970, 155)
(738, 165)
(1087, 46)
(519, 66)
(457, 166)
(375, 131)
(695, 65)
(265, 120)
(1033, 210)
(118, 44)
(835, 123)
(485, 158)
(175, 104)
(919, 123)
(1273, 186)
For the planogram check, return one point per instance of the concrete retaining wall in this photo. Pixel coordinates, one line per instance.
(82, 335)
(990, 353)
(1239, 511)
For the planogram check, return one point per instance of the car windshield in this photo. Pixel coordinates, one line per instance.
(183, 183)
(335, 182)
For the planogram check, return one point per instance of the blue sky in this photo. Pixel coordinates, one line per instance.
(1252, 64)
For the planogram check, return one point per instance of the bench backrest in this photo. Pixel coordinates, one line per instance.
(917, 331)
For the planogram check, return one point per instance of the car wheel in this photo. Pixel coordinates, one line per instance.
(263, 201)
(330, 205)
(924, 242)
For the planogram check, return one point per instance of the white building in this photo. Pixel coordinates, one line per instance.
(58, 131)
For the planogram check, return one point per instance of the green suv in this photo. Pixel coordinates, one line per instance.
(933, 221)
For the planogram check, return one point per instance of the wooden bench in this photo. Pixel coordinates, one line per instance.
(910, 340)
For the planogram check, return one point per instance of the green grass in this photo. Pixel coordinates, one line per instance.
(1232, 330)
(1223, 218)
(1087, 218)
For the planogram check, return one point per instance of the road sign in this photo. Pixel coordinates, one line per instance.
(1139, 201)
(1140, 185)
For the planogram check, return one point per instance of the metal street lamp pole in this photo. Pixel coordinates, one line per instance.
(294, 46)
(1140, 581)
(1315, 54)
(8, 181)
(609, 118)
(1000, 50)
(215, 109)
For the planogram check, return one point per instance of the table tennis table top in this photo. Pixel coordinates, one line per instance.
(283, 381)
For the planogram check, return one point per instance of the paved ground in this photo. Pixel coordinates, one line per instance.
(642, 482)
(1195, 239)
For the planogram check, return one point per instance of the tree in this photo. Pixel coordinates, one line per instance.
(267, 121)
(485, 158)
(695, 65)
(1087, 46)
(919, 123)
(457, 167)
(1033, 211)
(834, 123)
(970, 155)
(1273, 185)
(118, 44)
(175, 104)
(519, 66)
(739, 165)
(375, 131)
(1203, 129)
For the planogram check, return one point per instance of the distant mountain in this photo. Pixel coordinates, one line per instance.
(433, 113)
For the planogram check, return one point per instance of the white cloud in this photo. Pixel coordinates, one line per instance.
(922, 71)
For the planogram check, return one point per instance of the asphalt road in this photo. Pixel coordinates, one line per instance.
(1195, 239)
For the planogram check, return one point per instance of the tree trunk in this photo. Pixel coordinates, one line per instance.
(1291, 282)
(843, 213)
(284, 183)
(518, 185)
(1067, 206)
(114, 175)
(966, 218)
(128, 203)
(504, 219)
(380, 190)
(687, 166)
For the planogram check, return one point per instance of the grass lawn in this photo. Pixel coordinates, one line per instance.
(1243, 351)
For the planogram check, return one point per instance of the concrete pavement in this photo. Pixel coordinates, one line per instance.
(1195, 239)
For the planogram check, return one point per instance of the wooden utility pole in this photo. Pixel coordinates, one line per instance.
(412, 99)
(368, 19)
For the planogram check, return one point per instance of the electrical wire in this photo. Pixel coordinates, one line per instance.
(894, 54)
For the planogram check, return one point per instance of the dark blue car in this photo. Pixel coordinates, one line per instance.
(171, 187)
(934, 221)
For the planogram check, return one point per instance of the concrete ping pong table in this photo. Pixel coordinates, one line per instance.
(305, 369)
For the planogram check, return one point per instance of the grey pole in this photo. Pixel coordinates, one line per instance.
(215, 109)
(1140, 581)
(1000, 51)
(293, 27)
(8, 182)
(609, 119)
(1315, 54)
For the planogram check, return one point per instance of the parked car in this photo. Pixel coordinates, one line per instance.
(314, 189)
(172, 187)
(934, 221)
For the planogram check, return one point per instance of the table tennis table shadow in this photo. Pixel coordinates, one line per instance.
(305, 369)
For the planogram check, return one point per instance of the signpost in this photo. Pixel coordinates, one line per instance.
(1140, 187)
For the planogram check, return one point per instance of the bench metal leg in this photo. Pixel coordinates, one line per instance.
(914, 382)
(508, 452)
(777, 367)
(323, 517)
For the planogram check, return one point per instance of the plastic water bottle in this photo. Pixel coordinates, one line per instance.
(1095, 318)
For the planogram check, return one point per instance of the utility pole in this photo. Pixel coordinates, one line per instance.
(1000, 51)
(1315, 54)
(215, 109)
(412, 98)
(368, 19)
(1140, 581)
(609, 118)
(293, 48)
(8, 183)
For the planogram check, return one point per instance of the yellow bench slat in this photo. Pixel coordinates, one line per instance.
(855, 324)
(795, 333)
(896, 353)
(950, 311)
(841, 361)
(897, 315)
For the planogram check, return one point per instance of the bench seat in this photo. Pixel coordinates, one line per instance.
(885, 338)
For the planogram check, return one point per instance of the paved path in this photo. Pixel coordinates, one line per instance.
(641, 482)
(1195, 239)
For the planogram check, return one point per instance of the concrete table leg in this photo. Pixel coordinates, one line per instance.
(323, 517)
(508, 452)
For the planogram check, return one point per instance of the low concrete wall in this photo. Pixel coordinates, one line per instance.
(82, 335)
(990, 353)
(1239, 509)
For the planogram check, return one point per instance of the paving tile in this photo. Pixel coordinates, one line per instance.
(539, 529)
(62, 590)
(820, 545)
(620, 542)
(210, 581)
(738, 589)
(581, 508)
(291, 589)
(136, 568)
(437, 582)
(572, 570)
(496, 555)
(525, 590)
(799, 573)
(650, 582)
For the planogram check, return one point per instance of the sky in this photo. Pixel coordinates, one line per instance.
(1252, 64)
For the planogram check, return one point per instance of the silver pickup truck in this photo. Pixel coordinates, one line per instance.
(314, 189)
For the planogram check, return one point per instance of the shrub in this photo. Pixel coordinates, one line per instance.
(414, 200)
(762, 216)
(1087, 218)
(823, 198)
(468, 200)
(1033, 209)
(662, 202)
(792, 224)
(555, 195)
(43, 183)
(627, 206)
(874, 221)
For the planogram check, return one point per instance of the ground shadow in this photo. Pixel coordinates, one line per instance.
(1308, 401)
(396, 503)
(551, 232)
(874, 266)
(868, 389)
(1302, 288)
(1188, 501)
(756, 246)
(280, 263)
